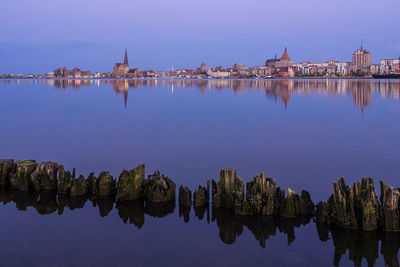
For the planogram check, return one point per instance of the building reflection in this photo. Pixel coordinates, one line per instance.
(64, 84)
(121, 86)
(362, 91)
(358, 245)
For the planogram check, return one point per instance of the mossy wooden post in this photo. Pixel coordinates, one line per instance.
(185, 196)
(79, 187)
(390, 207)
(130, 184)
(201, 197)
(20, 178)
(64, 182)
(44, 178)
(6, 166)
(159, 188)
(106, 184)
(229, 189)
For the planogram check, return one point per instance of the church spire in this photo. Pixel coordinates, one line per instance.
(126, 57)
(285, 55)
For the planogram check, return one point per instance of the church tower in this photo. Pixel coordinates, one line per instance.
(126, 57)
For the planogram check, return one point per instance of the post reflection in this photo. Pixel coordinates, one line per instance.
(262, 227)
(359, 245)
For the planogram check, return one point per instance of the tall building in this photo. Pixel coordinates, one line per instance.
(120, 70)
(361, 57)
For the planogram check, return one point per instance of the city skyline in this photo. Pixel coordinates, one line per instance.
(195, 65)
(282, 67)
(88, 34)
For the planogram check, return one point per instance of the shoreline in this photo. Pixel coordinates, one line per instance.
(203, 79)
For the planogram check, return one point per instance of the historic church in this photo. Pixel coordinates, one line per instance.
(120, 70)
(283, 62)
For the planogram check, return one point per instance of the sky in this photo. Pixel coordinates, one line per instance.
(37, 36)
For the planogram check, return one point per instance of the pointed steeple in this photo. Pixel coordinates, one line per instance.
(285, 55)
(361, 45)
(126, 57)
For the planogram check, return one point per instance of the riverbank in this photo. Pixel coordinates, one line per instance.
(206, 79)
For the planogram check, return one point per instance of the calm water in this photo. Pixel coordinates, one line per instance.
(306, 134)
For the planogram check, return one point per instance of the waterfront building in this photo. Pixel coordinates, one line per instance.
(282, 67)
(75, 73)
(283, 62)
(134, 73)
(150, 74)
(58, 72)
(238, 66)
(244, 72)
(322, 69)
(164, 74)
(64, 72)
(184, 73)
(219, 72)
(121, 70)
(203, 67)
(361, 57)
(388, 66)
(260, 71)
(271, 62)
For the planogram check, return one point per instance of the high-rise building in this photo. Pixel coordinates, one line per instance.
(361, 57)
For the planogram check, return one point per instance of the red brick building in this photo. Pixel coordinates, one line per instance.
(362, 57)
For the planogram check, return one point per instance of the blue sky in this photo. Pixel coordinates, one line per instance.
(37, 36)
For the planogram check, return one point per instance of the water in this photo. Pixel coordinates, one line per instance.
(305, 133)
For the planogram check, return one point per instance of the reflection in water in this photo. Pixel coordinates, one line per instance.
(122, 86)
(361, 90)
(132, 212)
(184, 211)
(200, 211)
(360, 245)
(263, 227)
